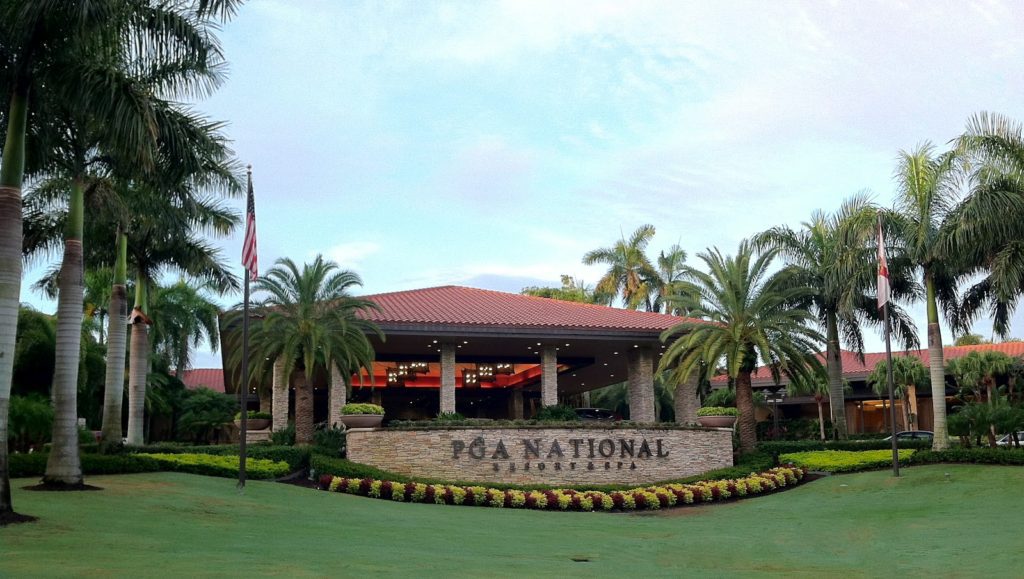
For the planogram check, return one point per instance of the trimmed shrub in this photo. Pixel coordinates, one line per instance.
(357, 408)
(255, 414)
(1011, 456)
(222, 466)
(836, 461)
(297, 457)
(717, 411)
(31, 465)
(780, 447)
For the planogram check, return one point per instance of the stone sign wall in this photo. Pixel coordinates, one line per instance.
(550, 456)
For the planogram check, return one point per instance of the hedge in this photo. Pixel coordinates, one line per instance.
(779, 447)
(326, 465)
(223, 466)
(640, 498)
(27, 465)
(1011, 456)
(297, 457)
(836, 461)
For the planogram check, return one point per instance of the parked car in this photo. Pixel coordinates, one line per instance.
(913, 435)
(1007, 439)
(597, 415)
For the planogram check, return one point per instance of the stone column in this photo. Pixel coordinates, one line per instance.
(548, 376)
(517, 404)
(686, 401)
(279, 396)
(337, 396)
(641, 385)
(447, 378)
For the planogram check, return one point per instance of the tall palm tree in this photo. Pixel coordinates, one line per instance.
(83, 56)
(311, 321)
(743, 314)
(834, 256)
(671, 265)
(184, 318)
(908, 372)
(817, 386)
(629, 270)
(920, 229)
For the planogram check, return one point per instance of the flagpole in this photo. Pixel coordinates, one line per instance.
(243, 388)
(888, 365)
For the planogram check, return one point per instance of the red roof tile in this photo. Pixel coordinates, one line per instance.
(463, 306)
(853, 368)
(212, 378)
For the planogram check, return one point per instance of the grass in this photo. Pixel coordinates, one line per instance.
(925, 523)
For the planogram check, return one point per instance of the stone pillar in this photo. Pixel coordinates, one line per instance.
(548, 376)
(447, 378)
(376, 397)
(279, 396)
(686, 401)
(641, 385)
(337, 396)
(517, 404)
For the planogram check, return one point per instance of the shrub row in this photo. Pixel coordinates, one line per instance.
(223, 466)
(31, 465)
(780, 447)
(297, 457)
(1011, 456)
(449, 423)
(843, 460)
(326, 465)
(643, 498)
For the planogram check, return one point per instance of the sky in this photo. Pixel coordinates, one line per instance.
(492, 143)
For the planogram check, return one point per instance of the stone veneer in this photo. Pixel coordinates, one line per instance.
(451, 453)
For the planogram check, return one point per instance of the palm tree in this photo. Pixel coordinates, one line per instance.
(978, 371)
(83, 57)
(908, 372)
(834, 256)
(670, 268)
(752, 315)
(920, 230)
(311, 321)
(629, 270)
(183, 319)
(817, 386)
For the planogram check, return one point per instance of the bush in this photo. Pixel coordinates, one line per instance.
(26, 465)
(284, 437)
(297, 457)
(329, 442)
(355, 408)
(557, 413)
(449, 417)
(721, 397)
(255, 415)
(844, 461)
(778, 447)
(1012, 456)
(31, 422)
(222, 466)
(204, 411)
(717, 411)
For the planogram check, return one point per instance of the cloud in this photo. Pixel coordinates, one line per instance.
(350, 255)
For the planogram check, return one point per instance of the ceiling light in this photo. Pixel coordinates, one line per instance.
(435, 341)
(616, 353)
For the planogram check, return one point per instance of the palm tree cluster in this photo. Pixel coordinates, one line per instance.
(958, 216)
(120, 174)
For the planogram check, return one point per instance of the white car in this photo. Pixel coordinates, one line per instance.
(1007, 440)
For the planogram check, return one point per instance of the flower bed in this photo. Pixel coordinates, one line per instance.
(836, 461)
(642, 498)
(225, 466)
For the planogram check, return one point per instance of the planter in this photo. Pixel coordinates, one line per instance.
(255, 423)
(717, 421)
(361, 420)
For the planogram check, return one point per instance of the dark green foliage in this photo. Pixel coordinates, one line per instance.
(450, 417)
(800, 429)
(721, 397)
(329, 442)
(1013, 456)
(31, 465)
(557, 413)
(31, 420)
(34, 353)
(255, 414)
(204, 412)
(284, 437)
(789, 446)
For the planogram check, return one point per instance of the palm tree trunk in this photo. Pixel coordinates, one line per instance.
(64, 466)
(12, 170)
(117, 340)
(940, 441)
(747, 422)
(304, 410)
(337, 398)
(138, 367)
(834, 363)
(685, 400)
(821, 416)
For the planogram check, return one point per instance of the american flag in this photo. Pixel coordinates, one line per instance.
(883, 270)
(249, 259)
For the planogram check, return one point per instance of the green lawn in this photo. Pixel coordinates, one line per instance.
(865, 524)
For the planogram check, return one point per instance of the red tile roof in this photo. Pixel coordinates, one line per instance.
(853, 368)
(463, 306)
(212, 378)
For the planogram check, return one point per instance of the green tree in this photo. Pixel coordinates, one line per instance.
(669, 271)
(572, 290)
(834, 256)
(817, 387)
(629, 271)
(979, 372)
(184, 318)
(919, 230)
(908, 373)
(742, 313)
(310, 320)
(970, 340)
(204, 412)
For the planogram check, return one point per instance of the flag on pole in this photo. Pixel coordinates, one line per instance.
(883, 270)
(249, 260)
